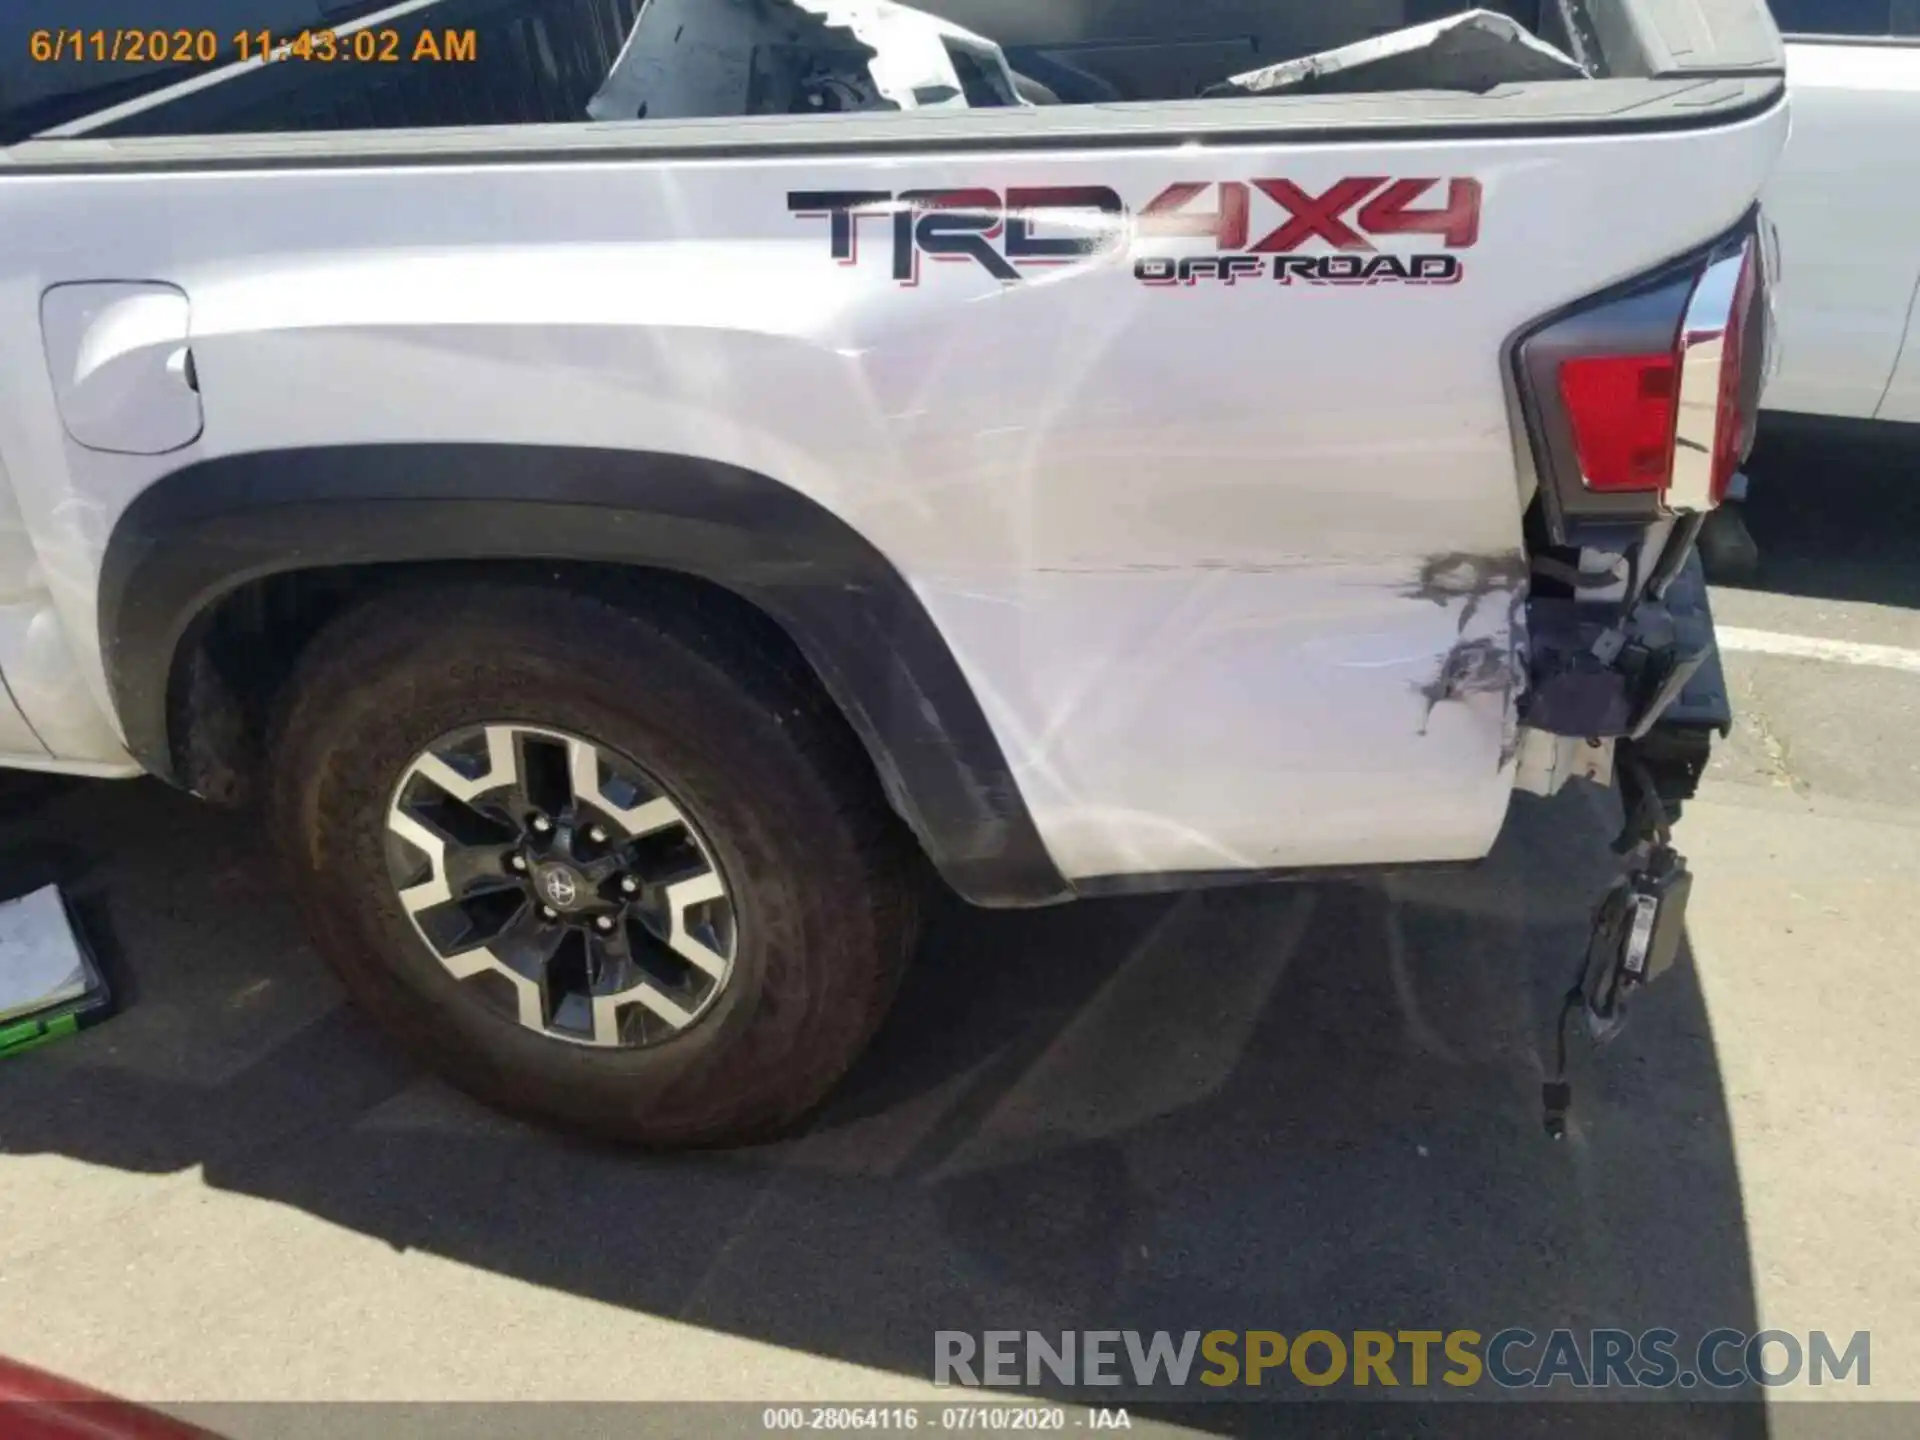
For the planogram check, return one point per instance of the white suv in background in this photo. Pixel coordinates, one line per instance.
(1846, 201)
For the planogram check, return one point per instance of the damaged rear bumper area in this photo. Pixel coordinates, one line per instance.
(1640, 697)
(1649, 685)
(1639, 405)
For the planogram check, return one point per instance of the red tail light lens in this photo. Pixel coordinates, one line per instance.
(1623, 410)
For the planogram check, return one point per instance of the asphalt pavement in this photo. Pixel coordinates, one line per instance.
(1313, 1106)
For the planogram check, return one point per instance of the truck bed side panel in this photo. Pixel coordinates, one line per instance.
(1232, 567)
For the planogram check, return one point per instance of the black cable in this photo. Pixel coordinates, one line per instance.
(1556, 1094)
(1568, 1006)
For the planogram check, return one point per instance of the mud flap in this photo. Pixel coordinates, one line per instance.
(1597, 677)
(1674, 742)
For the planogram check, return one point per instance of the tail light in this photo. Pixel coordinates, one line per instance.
(1641, 402)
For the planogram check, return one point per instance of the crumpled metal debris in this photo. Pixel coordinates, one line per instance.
(698, 58)
(1475, 51)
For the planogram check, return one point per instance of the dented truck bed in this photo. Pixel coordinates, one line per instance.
(1167, 481)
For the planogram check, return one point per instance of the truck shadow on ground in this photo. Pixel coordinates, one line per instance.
(1313, 1106)
(1835, 510)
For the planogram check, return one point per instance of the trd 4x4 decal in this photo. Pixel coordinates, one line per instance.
(1008, 233)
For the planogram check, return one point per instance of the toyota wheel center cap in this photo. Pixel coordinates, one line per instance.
(562, 887)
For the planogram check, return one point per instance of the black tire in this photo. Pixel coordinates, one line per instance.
(824, 878)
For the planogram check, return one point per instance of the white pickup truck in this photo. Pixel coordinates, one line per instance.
(1847, 203)
(631, 485)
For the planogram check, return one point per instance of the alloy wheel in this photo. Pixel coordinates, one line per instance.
(562, 884)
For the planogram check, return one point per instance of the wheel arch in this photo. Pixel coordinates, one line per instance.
(202, 535)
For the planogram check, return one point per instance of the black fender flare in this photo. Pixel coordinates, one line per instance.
(201, 532)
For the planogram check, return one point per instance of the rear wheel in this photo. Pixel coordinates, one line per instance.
(626, 874)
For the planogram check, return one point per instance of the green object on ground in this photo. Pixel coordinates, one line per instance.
(29, 1034)
(49, 983)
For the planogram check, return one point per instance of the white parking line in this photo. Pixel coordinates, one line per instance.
(1806, 647)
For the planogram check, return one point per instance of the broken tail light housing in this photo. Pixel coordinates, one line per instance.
(1640, 402)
